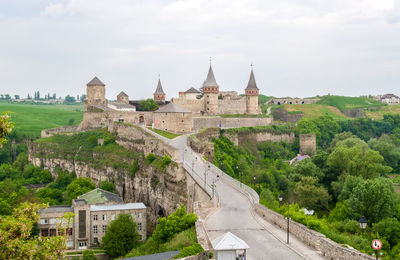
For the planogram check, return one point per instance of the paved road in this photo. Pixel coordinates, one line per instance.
(235, 214)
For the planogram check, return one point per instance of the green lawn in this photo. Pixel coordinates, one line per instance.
(314, 110)
(30, 119)
(166, 134)
(342, 102)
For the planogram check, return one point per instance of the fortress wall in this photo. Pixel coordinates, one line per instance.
(318, 241)
(229, 106)
(194, 105)
(206, 122)
(308, 144)
(103, 119)
(59, 130)
(173, 122)
(135, 138)
(282, 101)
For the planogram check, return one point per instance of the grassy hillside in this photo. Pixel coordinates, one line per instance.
(378, 113)
(262, 98)
(314, 110)
(342, 102)
(30, 119)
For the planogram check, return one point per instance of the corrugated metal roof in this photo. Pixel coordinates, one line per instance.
(52, 209)
(252, 82)
(172, 108)
(126, 206)
(95, 82)
(98, 195)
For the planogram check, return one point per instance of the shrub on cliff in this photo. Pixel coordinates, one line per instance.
(78, 187)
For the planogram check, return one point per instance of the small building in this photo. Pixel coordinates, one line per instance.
(121, 106)
(229, 247)
(173, 118)
(123, 98)
(298, 158)
(93, 211)
(191, 93)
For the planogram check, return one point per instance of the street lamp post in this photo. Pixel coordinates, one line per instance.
(195, 158)
(287, 241)
(183, 159)
(280, 199)
(363, 223)
(240, 175)
(205, 175)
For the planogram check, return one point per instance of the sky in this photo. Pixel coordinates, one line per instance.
(298, 48)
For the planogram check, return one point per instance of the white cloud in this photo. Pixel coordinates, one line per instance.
(299, 48)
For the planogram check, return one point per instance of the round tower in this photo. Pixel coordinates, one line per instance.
(95, 93)
(210, 92)
(252, 92)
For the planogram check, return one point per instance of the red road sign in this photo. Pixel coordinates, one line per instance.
(376, 244)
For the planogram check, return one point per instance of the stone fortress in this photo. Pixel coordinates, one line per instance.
(192, 110)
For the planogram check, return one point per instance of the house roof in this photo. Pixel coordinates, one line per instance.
(95, 82)
(159, 89)
(172, 108)
(98, 195)
(122, 94)
(125, 206)
(192, 90)
(210, 80)
(229, 241)
(252, 82)
(120, 105)
(53, 209)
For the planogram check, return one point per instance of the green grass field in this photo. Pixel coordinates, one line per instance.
(315, 110)
(30, 119)
(166, 134)
(341, 102)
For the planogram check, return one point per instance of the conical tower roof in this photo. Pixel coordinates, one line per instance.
(252, 82)
(159, 90)
(210, 80)
(95, 82)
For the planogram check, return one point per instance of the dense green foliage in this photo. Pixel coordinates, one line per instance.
(147, 105)
(31, 119)
(108, 186)
(78, 187)
(121, 236)
(173, 233)
(189, 250)
(344, 180)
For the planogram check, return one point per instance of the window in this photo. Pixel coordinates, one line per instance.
(52, 221)
(60, 232)
(82, 245)
(104, 217)
(96, 240)
(70, 244)
(53, 232)
(95, 229)
(45, 232)
(112, 216)
(121, 120)
(104, 228)
(44, 221)
(94, 217)
(69, 231)
(140, 215)
(139, 226)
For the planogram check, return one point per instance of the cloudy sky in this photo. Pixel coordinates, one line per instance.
(298, 47)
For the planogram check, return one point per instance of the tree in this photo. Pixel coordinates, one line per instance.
(121, 236)
(311, 196)
(108, 186)
(89, 255)
(69, 99)
(374, 199)
(78, 187)
(385, 146)
(5, 127)
(16, 96)
(16, 241)
(147, 105)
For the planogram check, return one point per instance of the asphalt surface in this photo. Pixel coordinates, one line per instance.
(235, 215)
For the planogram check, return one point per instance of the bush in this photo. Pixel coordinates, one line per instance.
(190, 250)
(108, 186)
(150, 158)
(92, 140)
(109, 140)
(165, 161)
(89, 255)
(134, 167)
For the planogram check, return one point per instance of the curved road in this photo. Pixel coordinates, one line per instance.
(235, 214)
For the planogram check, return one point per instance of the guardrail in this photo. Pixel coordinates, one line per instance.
(253, 195)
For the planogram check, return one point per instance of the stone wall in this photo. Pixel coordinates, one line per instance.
(308, 144)
(135, 138)
(282, 101)
(180, 123)
(59, 130)
(318, 241)
(356, 112)
(194, 105)
(232, 106)
(283, 115)
(229, 122)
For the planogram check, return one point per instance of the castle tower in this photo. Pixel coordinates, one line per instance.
(95, 93)
(159, 94)
(210, 92)
(252, 95)
(123, 98)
